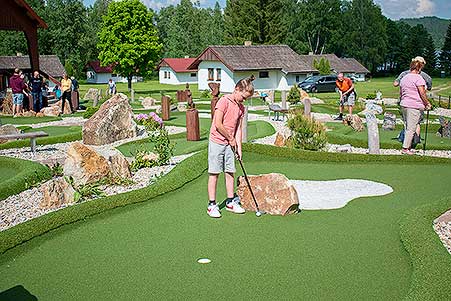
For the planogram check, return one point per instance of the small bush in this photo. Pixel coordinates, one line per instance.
(90, 111)
(371, 96)
(306, 133)
(205, 94)
(151, 121)
(294, 95)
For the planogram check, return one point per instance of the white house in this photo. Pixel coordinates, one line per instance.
(174, 71)
(275, 67)
(96, 74)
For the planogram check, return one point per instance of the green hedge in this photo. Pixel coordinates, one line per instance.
(183, 173)
(30, 173)
(431, 278)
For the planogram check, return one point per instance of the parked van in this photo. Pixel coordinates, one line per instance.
(319, 83)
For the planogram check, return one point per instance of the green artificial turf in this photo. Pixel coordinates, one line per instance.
(17, 175)
(27, 120)
(57, 134)
(256, 129)
(342, 134)
(149, 250)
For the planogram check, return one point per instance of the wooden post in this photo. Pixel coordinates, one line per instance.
(192, 125)
(244, 129)
(307, 107)
(74, 100)
(165, 107)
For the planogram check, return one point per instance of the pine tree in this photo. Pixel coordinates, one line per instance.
(445, 55)
(430, 55)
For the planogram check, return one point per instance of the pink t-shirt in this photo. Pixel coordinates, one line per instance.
(232, 114)
(410, 97)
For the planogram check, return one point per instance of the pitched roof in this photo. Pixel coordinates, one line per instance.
(177, 64)
(95, 65)
(355, 65)
(50, 64)
(256, 57)
(347, 65)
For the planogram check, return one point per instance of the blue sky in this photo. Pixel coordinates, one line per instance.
(394, 9)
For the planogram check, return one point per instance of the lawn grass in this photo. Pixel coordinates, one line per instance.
(57, 134)
(353, 253)
(342, 134)
(17, 175)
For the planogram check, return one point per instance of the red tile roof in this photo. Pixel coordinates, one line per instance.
(178, 64)
(95, 65)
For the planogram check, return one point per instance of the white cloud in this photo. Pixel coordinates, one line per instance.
(396, 9)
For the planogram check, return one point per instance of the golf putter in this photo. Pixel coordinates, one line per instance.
(258, 213)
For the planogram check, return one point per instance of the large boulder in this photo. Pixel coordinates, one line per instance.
(8, 129)
(29, 113)
(66, 106)
(92, 94)
(274, 193)
(56, 193)
(112, 122)
(148, 102)
(51, 111)
(119, 166)
(84, 164)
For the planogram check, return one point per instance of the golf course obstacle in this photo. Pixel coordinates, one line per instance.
(215, 97)
(165, 107)
(192, 125)
(371, 109)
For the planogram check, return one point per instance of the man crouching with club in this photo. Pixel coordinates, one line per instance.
(225, 137)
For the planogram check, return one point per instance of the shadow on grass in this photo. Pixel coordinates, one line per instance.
(17, 293)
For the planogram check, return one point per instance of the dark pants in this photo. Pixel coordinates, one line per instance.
(66, 95)
(37, 101)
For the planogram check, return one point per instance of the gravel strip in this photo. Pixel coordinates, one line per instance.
(443, 230)
(67, 121)
(24, 206)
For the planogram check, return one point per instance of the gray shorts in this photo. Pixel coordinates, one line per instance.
(220, 158)
(18, 99)
(348, 100)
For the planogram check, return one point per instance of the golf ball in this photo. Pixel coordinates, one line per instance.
(258, 213)
(203, 260)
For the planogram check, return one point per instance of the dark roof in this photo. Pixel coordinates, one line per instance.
(50, 64)
(347, 65)
(256, 57)
(355, 65)
(177, 64)
(95, 65)
(30, 13)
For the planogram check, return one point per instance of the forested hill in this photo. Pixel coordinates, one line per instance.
(435, 26)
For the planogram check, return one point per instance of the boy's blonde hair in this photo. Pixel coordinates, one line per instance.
(245, 84)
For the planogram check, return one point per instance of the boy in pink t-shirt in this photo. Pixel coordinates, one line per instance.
(225, 143)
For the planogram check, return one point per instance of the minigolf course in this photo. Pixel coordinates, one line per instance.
(150, 249)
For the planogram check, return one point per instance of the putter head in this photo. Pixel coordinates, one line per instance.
(259, 213)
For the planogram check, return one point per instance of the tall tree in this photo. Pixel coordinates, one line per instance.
(394, 46)
(429, 55)
(365, 33)
(128, 39)
(445, 55)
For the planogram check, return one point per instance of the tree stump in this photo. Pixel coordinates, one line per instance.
(192, 125)
(165, 107)
(74, 100)
(307, 107)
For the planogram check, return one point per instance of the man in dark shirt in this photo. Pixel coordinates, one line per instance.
(17, 85)
(36, 91)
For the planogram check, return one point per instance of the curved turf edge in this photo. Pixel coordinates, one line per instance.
(431, 278)
(185, 172)
(30, 173)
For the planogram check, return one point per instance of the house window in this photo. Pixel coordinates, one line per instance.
(211, 75)
(218, 74)
(165, 75)
(193, 74)
(169, 74)
(263, 74)
(113, 75)
(297, 78)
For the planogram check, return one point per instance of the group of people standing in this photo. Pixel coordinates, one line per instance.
(413, 84)
(35, 89)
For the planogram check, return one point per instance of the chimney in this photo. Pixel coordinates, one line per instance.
(247, 43)
(186, 56)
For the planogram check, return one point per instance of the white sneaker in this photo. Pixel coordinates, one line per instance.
(235, 207)
(213, 211)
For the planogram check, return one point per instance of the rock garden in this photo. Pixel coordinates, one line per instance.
(118, 192)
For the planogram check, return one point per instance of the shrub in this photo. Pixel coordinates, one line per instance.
(294, 95)
(90, 111)
(323, 66)
(151, 121)
(205, 94)
(371, 96)
(306, 133)
(162, 151)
